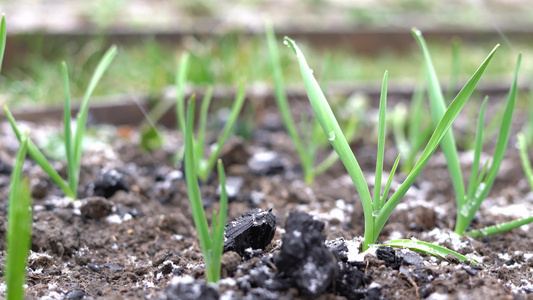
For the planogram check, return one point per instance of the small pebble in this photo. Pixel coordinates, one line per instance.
(75, 295)
(113, 267)
(93, 267)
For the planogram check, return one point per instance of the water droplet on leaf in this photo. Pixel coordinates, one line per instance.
(331, 135)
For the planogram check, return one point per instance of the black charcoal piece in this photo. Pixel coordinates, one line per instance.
(304, 257)
(186, 288)
(351, 282)
(410, 258)
(254, 229)
(109, 182)
(472, 271)
(339, 249)
(388, 255)
(266, 163)
(95, 207)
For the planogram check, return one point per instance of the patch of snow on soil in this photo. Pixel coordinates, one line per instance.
(341, 212)
(53, 296)
(395, 235)
(353, 250)
(518, 210)
(445, 236)
(438, 296)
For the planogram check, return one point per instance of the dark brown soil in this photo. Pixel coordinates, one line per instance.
(130, 245)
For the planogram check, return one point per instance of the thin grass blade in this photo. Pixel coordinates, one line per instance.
(234, 114)
(417, 133)
(39, 158)
(526, 164)
(3, 37)
(381, 143)
(438, 134)
(477, 152)
(389, 182)
(454, 72)
(181, 79)
(81, 120)
(466, 216)
(399, 116)
(72, 174)
(499, 228)
(283, 102)
(427, 248)
(193, 188)
(337, 139)
(437, 106)
(19, 227)
(218, 232)
(202, 122)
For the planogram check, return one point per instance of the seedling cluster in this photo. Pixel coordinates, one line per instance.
(378, 205)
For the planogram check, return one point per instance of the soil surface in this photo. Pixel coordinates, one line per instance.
(131, 234)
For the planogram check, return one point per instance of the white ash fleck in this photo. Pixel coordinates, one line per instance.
(438, 296)
(528, 256)
(37, 255)
(116, 219)
(341, 212)
(441, 236)
(504, 256)
(296, 233)
(311, 270)
(395, 235)
(113, 219)
(227, 281)
(115, 246)
(178, 237)
(517, 288)
(374, 285)
(228, 295)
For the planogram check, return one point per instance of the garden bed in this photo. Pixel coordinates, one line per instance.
(140, 241)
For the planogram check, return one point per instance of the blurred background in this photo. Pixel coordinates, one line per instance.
(348, 43)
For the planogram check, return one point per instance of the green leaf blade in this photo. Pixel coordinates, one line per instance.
(193, 188)
(19, 227)
(381, 143)
(81, 120)
(39, 158)
(437, 111)
(438, 134)
(427, 248)
(337, 139)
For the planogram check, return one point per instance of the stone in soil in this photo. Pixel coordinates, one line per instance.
(304, 258)
(254, 229)
(109, 182)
